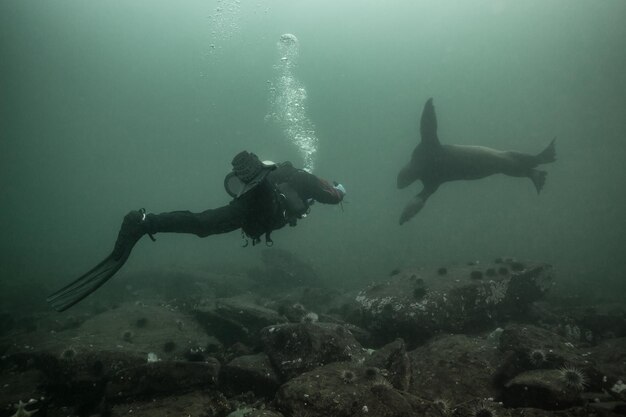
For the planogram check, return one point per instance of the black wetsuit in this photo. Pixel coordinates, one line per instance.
(281, 199)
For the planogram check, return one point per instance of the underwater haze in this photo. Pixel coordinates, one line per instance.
(109, 106)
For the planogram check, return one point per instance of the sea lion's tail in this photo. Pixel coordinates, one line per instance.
(548, 154)
(538, 178)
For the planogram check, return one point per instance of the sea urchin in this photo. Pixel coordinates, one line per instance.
(483, 409)
(442, 405)
(347, 376)
(537, 357)
(573, 377)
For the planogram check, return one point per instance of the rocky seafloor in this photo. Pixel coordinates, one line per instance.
(476, 339)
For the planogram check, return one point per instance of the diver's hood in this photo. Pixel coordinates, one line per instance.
(235, 187)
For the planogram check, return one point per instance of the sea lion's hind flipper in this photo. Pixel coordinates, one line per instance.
(74, 292)
(428, 125)
(538, 178)
(548, 154)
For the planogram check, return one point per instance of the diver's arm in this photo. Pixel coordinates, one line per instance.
(311, 186)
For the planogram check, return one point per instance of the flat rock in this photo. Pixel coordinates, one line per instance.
(541, 388)
(237, 319)
(133, 329)
(197, 403)
(77, 363)
(163, 377)
(17, 385)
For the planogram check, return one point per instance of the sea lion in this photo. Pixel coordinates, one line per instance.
(434, 163)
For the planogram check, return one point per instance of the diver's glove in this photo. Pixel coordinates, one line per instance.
(340, 188)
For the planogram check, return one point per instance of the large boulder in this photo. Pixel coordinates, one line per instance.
(416, 303)
(574, 318)
(345, 390)
(528, 347)
(455, 369)
(609, 358)
(250, 373)
(600, 322)
(295, 348)
(394, 361)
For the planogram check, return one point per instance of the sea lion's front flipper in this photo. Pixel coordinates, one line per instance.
(428, 125)
(411, 209)
(407, 175)
(416, 204)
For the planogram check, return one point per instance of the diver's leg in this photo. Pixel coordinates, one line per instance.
(220, 220)
(136, 224)
(209, 222)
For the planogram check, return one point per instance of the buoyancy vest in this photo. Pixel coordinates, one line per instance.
(272, 204)
(262, 212)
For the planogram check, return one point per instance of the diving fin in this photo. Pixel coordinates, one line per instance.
(133, 228)
(74, 292)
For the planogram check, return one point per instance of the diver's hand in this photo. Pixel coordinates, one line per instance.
(411, 209)
(340, 188)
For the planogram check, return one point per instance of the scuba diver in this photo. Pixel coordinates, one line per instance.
(266, 197)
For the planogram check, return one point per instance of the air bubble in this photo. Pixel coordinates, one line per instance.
(288, 102)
